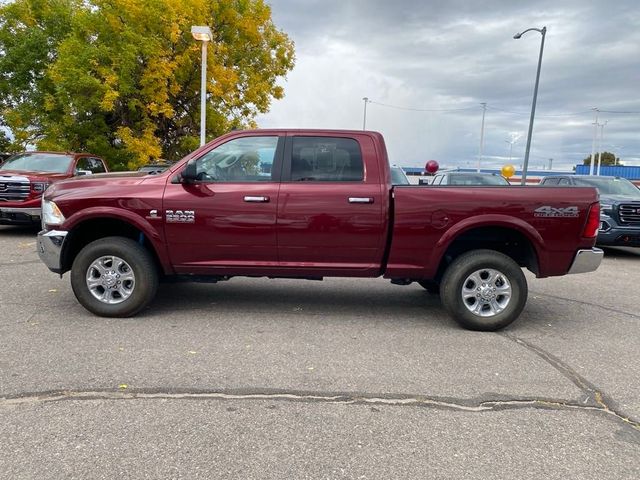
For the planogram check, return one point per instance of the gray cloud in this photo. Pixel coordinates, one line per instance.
(458, 54)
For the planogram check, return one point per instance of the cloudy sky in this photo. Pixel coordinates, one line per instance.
(428, 65)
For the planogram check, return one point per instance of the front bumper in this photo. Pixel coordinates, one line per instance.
(19, 216)
(586, 261)
(50, 244)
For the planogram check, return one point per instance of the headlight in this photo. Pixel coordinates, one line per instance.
(606, 207)
(39, 187)
(51, 214)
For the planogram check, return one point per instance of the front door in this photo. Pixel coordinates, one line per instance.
(226, 221)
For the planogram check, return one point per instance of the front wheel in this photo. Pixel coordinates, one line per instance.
(484, 290)
(114, 277)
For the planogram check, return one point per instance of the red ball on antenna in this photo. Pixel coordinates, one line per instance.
(431, 166)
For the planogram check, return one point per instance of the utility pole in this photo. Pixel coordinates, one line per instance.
(484, 111)
(551, 164)
(593, 144)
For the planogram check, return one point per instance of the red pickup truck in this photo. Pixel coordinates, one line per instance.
(311, 204)
(25, 176)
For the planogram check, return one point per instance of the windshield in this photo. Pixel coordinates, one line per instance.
(477, 180)
(39, 162)
(610, 186)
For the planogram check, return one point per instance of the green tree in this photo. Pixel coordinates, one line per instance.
(608, 158)
(5, 143)
(121, 78)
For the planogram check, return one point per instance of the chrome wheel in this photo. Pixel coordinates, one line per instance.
(486, 292)
(110, 279)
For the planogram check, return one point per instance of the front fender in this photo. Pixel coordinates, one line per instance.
(153, 233)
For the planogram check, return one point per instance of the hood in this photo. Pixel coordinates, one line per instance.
(614, 199)
(104, 182)
(100, 176)
(34, 176)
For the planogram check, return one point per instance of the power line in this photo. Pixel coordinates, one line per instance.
(569, 114)
(397, 107)
(573, 114)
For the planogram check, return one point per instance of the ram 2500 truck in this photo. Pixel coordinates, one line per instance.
(311, 204)
(25, 176)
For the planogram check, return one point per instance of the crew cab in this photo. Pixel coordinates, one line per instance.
(25, 176)
(310, 204)
(619, 206)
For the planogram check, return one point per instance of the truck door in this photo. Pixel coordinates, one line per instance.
(227, 219)
(332, 208)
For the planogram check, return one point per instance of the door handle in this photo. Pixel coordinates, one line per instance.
(360, 200)
(257, 199)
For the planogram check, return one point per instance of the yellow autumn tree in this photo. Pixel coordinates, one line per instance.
(121, 78)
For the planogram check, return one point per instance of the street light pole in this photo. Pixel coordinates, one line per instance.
(593, 143)
(484, 111)
(203, 34)
(543, 32)
(602, 125)
(510, 142)
(364, 121)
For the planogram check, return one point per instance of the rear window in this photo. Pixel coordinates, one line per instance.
(326, 159)
(39, 162)
(477, 180)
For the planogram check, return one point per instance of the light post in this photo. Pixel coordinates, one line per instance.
(602, 125)
(543, 32)
(364, 121)
(204, 35)
(510, 142)
(484, 111)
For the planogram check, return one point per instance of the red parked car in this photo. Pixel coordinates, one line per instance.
(25, 176)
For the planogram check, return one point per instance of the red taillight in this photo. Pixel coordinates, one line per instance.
(593, 222)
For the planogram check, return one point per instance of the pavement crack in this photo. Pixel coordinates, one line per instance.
(581, 302)
(462, 405)
(598, 399)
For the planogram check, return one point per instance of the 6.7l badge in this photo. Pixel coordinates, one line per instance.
(180, 216)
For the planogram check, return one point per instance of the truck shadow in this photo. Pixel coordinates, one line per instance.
(262, 297)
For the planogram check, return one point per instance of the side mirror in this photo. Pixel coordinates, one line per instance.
(80, 172)
(190, 172)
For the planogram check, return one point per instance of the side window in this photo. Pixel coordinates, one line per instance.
(437, 180)
(550, 181)
(564, 181)
(83, 167)
(96, 165)
(326, 159)
(246, 159)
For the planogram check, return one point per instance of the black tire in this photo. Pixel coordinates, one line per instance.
(138, 260)
(430, 286)
(475, 265)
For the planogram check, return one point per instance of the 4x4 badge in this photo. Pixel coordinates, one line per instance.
(559, 212)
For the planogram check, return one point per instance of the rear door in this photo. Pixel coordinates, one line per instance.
(332, 208)
(226, 221)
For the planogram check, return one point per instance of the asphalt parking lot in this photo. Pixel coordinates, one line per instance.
(345, 378)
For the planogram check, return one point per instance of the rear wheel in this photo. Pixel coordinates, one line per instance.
(114, 277)
(484, 290)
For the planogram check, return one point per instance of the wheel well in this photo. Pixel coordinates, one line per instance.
(96, 228)
(511, 242)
